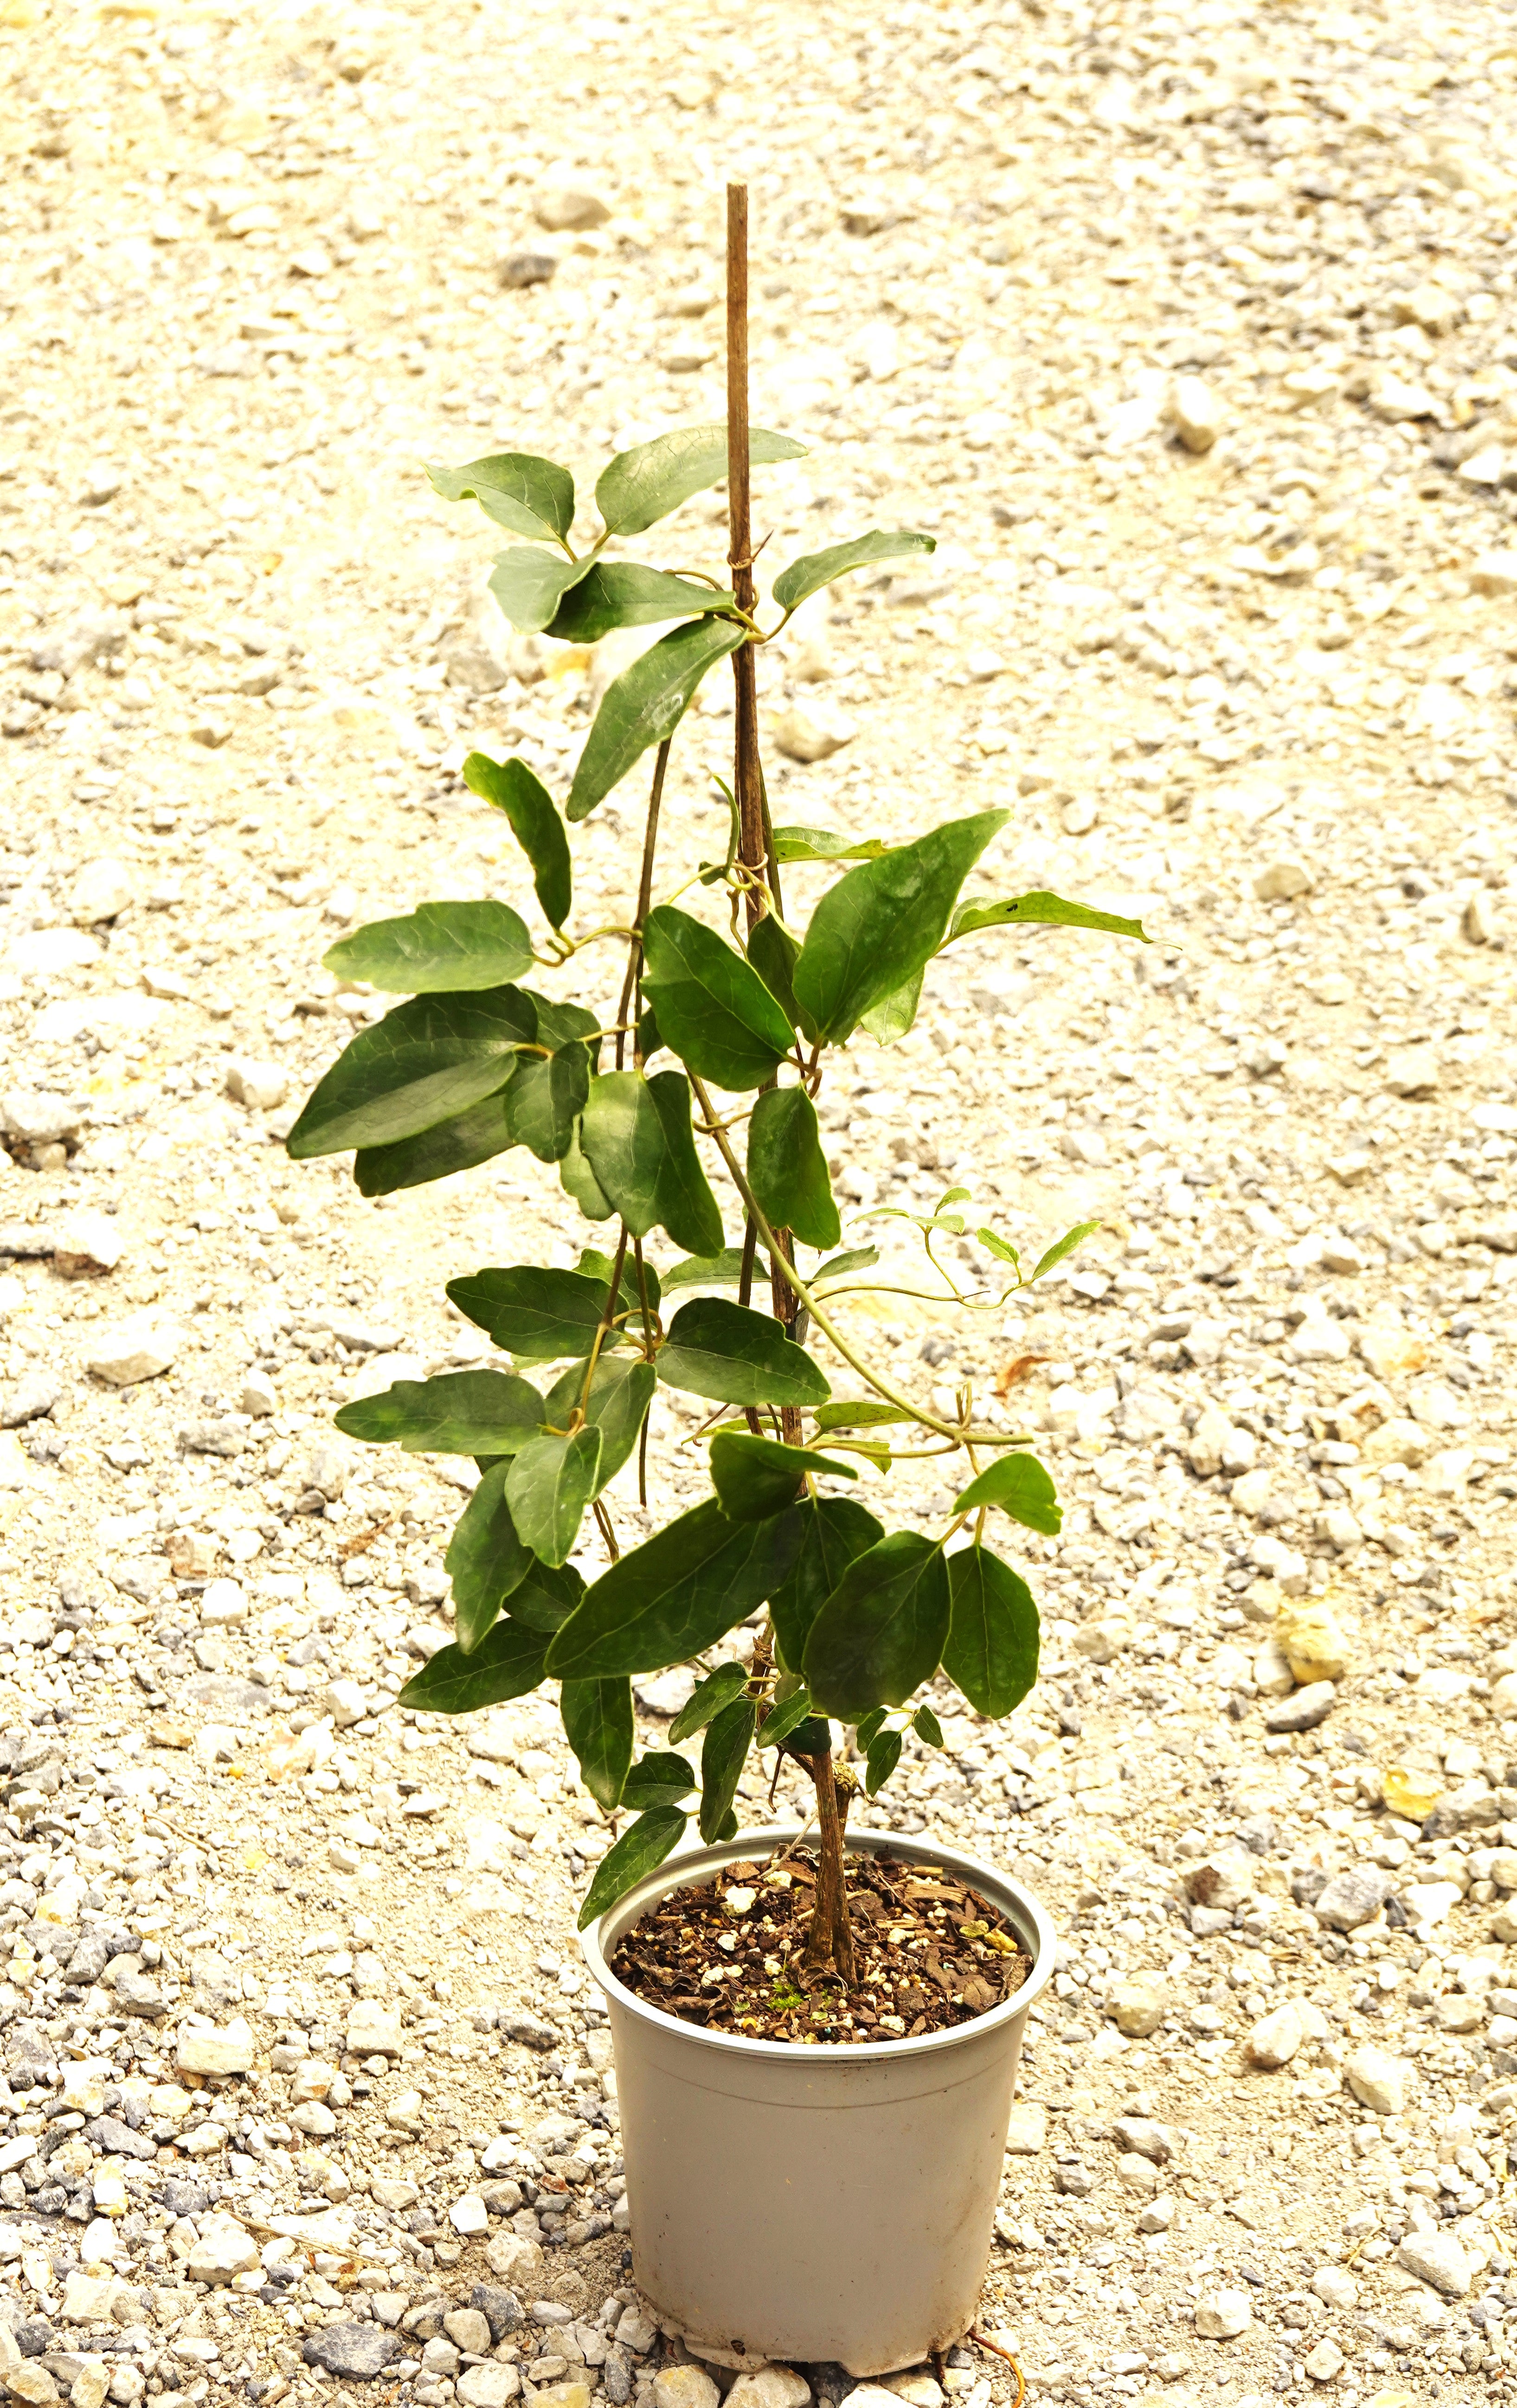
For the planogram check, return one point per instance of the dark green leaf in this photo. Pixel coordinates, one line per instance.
(814, 569)
(1062, 1246)
(880, 1633)
(881, 923)
(545, 1098)
(460, 1144)
(708, 1698)
(642, 485)
(992, 1645)
(857, 1258)
(623, 594)
(812, 1737)
(641, 1848)
(1022, 1487)
(622, 1136)
(713, 1009)
(881, 1760)
(599, 1264)
(706, 1270)
(677, 1593)
(529, 583)
(658, 1779)
(924, 1722)
(754, 1476)
(548, 1487)
(787, 1168)
(425, 1062)
(580, 1181)
(774, 953)
(620, 1395)
(826, 845)
(867, 1726)
(510, 787)
(486, 1559)
(547, 1596)
(833, 1530)
(459, 1412)
(890, 1018)
(506, 1663)
(521, 493)
(598, 1723)
(687, 1206)
(728, 1738)
(786, 1718)
(560, 1024)
(858, 1412)
(1040, 911)
(649, 1037)
(535, 1314)
(723, 1351)
(438, 949)
(645, 705)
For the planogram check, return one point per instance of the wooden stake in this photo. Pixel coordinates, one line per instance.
(746, 783)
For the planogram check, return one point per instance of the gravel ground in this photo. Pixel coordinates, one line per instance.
(1192, 337)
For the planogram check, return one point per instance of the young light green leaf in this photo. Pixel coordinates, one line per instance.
(687, 1206)
(545, 1098)
(754, 1476)
(891, 1018)
(833, 1530)
(826, 845)
(1022, 1487)
(998, 1247)
(640, 1851)
(880, 1633)
(530, 584)
(814, 569)
(788, 1168)
(883, 1756)
(706, 1270)
(438, 949)
(511, 787)
(579, 1181)
(623, 594)
(547, 1596)
(598, 1725)
(992, 1645)
(621, 1392)
(1062, 1246)
(645, 705)
(642, 485)
(459, 1412)
(425, 1062)
(548, 1487)
(858, 1412)
(521, 493)
(680, 1591)
(1039, 911)
(881, 923)
(713, 1009)
(658, 1779)
(708, 1698)
(737, 1357)
(952, 1196)
(506, 1664)
(485, 1558)
(855, 1259)
(924, 1722)
(723, 1754)
(461, 1144)
(535, 1314)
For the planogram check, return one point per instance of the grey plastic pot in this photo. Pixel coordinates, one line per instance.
(802, 2202)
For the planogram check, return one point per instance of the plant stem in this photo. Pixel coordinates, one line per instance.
(607, 1318)
(644, 897)
(832, 1935)
(746, 785)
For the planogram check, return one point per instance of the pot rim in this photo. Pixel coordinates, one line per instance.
(1035, 1929)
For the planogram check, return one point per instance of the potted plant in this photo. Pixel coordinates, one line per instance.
(812, 2128)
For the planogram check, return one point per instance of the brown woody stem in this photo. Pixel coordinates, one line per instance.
(832, 1935)
(747, 785)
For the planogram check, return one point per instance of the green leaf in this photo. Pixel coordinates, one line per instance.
(438, 949)
(580, 1181)
(621, 1392)
(506, 1664)
(622, 1135)
(827, 844)
(529, 583)
(459, 1412)
(679, 1592)
(560, 1024)
(723, 1756)
(859, 1413)
(486, 1559)
(687, 1206)
(1062, 1246)
(645, 705)
(786, 1718)
(924, 1722)
(787, 1168)
(1022, 1487)
(992, 1645)
(754, 1476)
(658, 1779)
(545, 1098)
(649, 1040)
(547, 1596)
(461, 1144)
(642, 485)
(998, 1247)
(640, 1851)
(511, 787)
(814, 569)
(890, 1018)
(708, 1698)
(706, 1270)
(869, 1726)
(533, 1313)
(422, 1063)
(597, 1724)
(883, 1756)
(713, 1009)
(774, 953)
(623, 594)
(857, 1258)
(880, 1633)
(881, 923)
(833, 1530)
(521, 493)
(597, 1265)
(548, 1487)
(723, 1351)
(1039, 911)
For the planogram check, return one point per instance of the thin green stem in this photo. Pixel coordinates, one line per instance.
(608, 1319)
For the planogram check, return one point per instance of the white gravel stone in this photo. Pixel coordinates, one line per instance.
(1276, 2037)
(261, 1085)
(1379, 2080)
(1437, 2259)
(227, 2049)
(142, 1348)
(1222, 2313)
(103, 889)
(224, 2249)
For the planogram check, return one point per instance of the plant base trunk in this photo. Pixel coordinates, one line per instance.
(830, 1943)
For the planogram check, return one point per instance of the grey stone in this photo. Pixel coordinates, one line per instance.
(137, 1994)
(358, 2351)
(517, 269)
(114, 2138)
(1304, 1711)
(501, 2308)
(1354, 1897)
